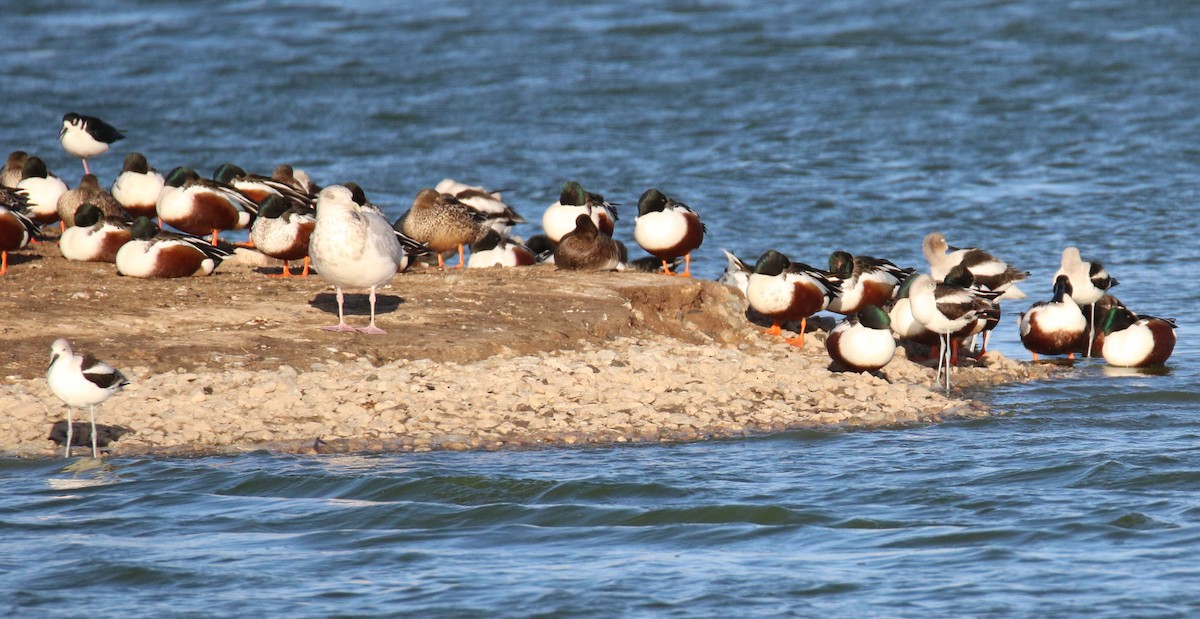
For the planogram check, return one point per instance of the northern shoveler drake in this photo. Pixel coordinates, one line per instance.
(499, 216)
(1055, 327)
(559, 218)
(16, 228)
(988, 270)
(86, 136)
(43, 190)
(95, 237)
(353, 246)
(89, 192)
(282, 231)
(947, 309)
(155, 253)
(862, 342)
(1131, 340)
(257, 187)
(667, 229)
(296, 179)
(1090, 281)
(10, 175)
(586, 248)
(137, 186)
(737, 272)
(199, 206)
(865, 281)
(443, 223)
(494, 250)
(784, 291)
(81, 380)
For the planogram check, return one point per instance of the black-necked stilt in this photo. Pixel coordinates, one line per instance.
(86, 136)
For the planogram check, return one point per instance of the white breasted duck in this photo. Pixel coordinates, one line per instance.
(865, 281)
(137, 186)
(200, 206)
(494, 250)
(1090, 281)
(86, 136)
(1130, 340)
(559, 218)
(586, 248)
(17, 229)
(1055, 327)
(667, 229)
(499, 216)
(784, 291)
(155, 253)
(81, 380)
(10, 174)
(43, 190)
(947, 309)
(95, 237)
(862, 342)
(282, 231)
(89, 191)
(988, 270)
(354, 246)
(443, 223)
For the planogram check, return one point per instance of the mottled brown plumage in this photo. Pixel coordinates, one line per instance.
(443, 223)
(89, 192)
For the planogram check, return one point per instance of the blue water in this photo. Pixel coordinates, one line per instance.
(1018, 126)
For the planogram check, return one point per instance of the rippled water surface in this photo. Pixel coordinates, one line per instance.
(1018, 126)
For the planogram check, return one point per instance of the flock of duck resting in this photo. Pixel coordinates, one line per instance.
(354, 246)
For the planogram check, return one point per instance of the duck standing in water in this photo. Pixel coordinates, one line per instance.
(1130, 340)
(1055, 327)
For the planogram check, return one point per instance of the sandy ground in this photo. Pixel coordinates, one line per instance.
(213, 356)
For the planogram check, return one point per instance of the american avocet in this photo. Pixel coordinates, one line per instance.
(81, 380)
(988, 270)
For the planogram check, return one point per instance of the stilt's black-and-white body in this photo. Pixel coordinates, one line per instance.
(86, 136)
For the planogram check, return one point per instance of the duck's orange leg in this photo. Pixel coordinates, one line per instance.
(3, 262)
(774, 330)
(666, 269)
(304, 273)
(798, 340)
(687, 266)
(462, 261)
(285, 273)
